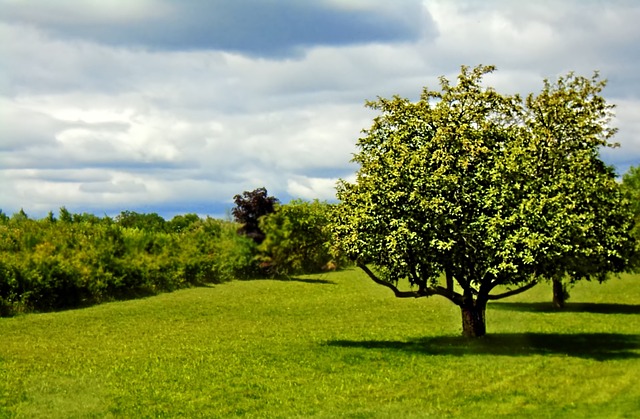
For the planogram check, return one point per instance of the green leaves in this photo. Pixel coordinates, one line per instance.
(296, 238)
(489, 187)
(83, 260)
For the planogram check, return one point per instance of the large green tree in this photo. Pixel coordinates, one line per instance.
(475, 196)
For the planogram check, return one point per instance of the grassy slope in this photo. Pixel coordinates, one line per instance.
(325, 346)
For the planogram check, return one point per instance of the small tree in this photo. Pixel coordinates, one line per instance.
(148, 222)
(65, 216)
(19, 216)
(631, 187)
(180, 223)
(4, 218)
(250, 206)
(487, 190)
(297, 238)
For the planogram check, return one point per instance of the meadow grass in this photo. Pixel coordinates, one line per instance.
(331, 345)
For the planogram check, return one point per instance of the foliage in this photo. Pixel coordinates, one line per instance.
(250, 206)
(80, 260)
(181, 223)
(149, 222)
(65, 216)
(487, 190)
(631, 186)
(573, 109)
(325, 346)
(297, 238)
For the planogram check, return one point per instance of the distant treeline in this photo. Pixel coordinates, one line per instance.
(74, 260)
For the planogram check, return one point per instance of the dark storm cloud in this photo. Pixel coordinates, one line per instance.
(266, 28)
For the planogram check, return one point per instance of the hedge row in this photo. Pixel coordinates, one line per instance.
(76, 260)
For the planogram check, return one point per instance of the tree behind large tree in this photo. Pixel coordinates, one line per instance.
(571, 115)
(490, 191)
(631, 186)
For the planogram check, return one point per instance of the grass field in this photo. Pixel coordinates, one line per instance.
(332, 345)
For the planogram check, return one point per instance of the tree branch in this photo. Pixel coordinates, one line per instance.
(422, 292)
(513, 292)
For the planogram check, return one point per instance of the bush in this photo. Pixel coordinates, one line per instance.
(297, 239)
(48, 265)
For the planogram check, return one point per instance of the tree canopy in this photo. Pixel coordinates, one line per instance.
(296, 238)
(490, 191)
(631, 185)
(250, 206)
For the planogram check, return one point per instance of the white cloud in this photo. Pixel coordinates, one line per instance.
(106, 127)
(87, 12)
(309, 188)
(628, 136)
(23, 128)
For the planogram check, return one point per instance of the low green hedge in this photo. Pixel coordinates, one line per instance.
(49, 264)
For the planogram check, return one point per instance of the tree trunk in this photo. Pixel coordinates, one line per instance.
(559, 293)
(473, 324)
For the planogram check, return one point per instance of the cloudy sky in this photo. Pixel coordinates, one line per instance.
(174, 106)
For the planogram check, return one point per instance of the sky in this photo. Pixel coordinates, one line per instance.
(174, 107)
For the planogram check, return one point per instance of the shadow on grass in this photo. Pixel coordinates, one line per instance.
(597, 346)
(293, 279)
(544, 307)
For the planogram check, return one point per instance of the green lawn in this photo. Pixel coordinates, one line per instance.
(333, 345)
